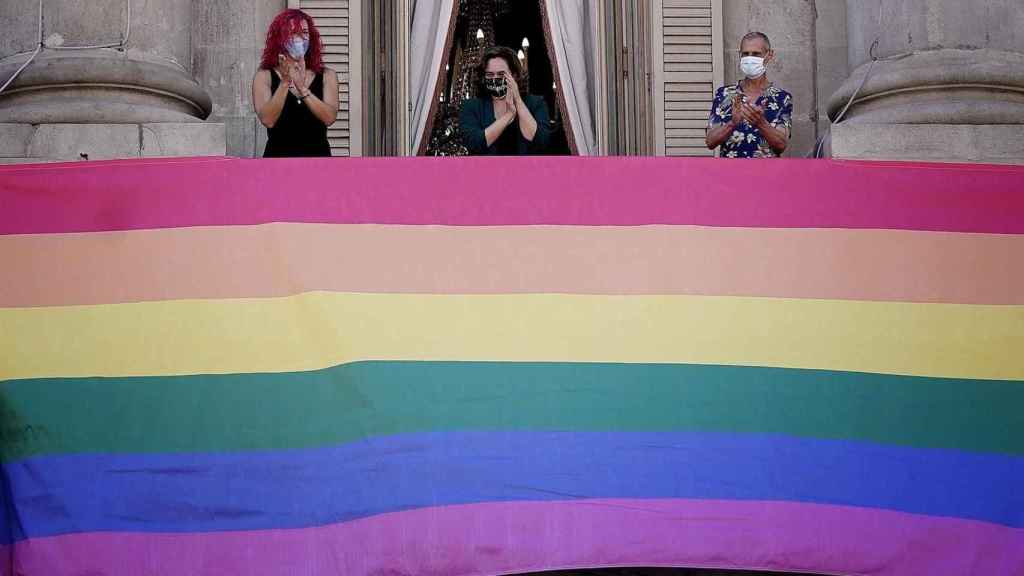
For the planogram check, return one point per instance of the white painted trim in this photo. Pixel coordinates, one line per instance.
(717, 43)
(658, 62)
(355, 77)
(404, 17)
(601, 66)
(717, 47)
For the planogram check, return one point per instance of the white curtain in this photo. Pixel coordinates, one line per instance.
(430, 21)
(573, 27)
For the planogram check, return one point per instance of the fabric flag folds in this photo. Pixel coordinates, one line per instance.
(495, 366)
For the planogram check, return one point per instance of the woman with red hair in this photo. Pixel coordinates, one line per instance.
(295, 96)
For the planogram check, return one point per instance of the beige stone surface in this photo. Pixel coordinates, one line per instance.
(101, 86)
(158, 27)
(92, 102)
(85, 141)
(940, 86)
(171, 139)
(948, 84)
(995, 144)
(5, 160)
(833, 54)
(14, 139)
(904, 26)
(62, 142)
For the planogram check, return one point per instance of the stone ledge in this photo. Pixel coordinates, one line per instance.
(14, 139)
(27, 160)
(988, 144)
(183, 139)
(62, 142)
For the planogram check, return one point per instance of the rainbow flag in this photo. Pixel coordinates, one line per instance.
(483, 367)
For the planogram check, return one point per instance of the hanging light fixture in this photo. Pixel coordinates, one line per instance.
(526, 43)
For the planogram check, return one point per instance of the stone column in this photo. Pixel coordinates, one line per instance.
(135, 99)
(948, 84)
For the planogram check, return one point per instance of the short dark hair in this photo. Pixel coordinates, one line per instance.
(755, 35)
(506, 54)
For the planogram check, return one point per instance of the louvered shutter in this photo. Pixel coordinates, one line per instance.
(333, 20)
(691, 50)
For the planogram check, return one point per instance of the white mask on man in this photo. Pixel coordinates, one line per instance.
(752, 66)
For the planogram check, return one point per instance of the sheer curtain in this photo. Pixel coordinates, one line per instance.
(573, 25)
(431, 20)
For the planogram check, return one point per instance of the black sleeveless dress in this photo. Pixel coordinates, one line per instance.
(297, 133)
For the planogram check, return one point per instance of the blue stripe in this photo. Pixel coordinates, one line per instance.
(8, 532)
(302, 488)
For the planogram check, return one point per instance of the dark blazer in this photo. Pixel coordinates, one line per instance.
(478, 113)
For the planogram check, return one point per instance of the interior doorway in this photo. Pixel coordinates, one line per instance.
(517, 24)
(384, 65)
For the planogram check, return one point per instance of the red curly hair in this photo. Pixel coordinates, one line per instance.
(284, 26)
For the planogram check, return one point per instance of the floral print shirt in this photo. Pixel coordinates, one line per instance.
(746, 141)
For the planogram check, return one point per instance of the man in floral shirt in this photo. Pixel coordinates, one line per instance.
(751, 119)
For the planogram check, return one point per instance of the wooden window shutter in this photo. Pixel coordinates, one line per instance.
(335, 21)
(691, 59)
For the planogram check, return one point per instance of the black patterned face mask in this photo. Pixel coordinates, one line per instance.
(497, 87)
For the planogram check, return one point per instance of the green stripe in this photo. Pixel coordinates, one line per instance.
(352, 401)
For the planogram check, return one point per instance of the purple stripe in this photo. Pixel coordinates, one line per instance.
(501, 538)
(512, 191)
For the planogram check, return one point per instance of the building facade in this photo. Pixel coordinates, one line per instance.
(907, 79)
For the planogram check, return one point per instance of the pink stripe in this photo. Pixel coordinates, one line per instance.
(506, 191)
(502, 538)
(284, 259)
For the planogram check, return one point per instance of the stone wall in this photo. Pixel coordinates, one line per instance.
(227, 42)
(809, 39)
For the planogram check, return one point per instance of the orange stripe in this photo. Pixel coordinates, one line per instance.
(285, 259)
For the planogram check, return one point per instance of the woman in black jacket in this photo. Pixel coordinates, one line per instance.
(501, 121)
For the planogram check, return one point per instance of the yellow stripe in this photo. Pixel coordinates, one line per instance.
(317, 330)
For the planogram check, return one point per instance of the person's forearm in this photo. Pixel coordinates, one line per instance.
(718, 135)
(322, 110)
(527, 123)
(495, 130)
(777, 139)
(271, 111)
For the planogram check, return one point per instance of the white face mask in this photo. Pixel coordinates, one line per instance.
(752, 66)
